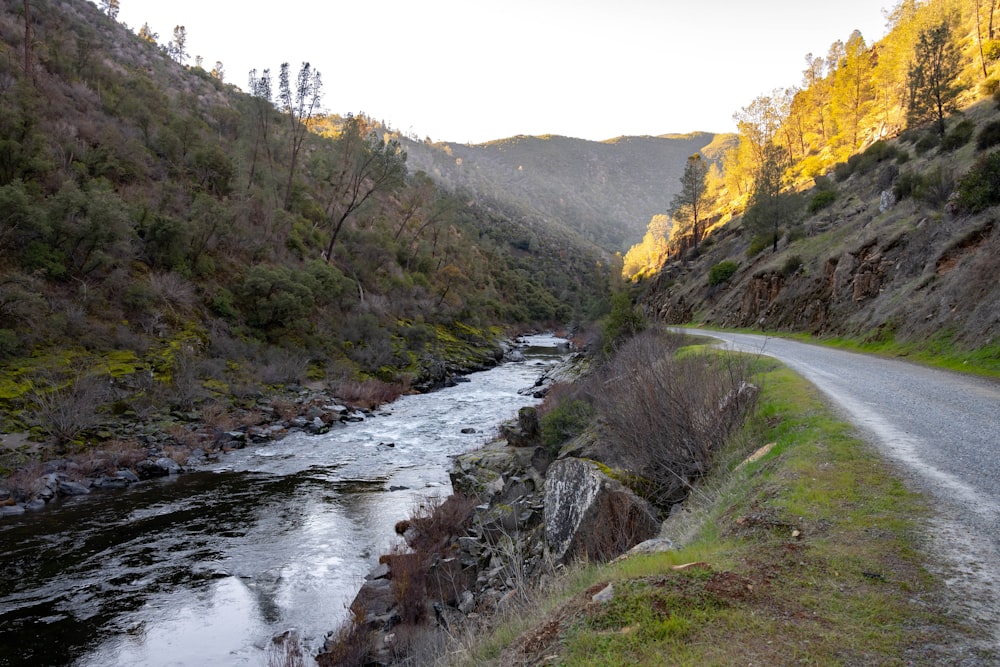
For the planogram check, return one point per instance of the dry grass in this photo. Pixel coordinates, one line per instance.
(25, 482)
(216, 416)
(367, 394)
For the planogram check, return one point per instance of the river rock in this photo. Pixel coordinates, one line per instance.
(525, 432)
(103, 482)
(11, 510)
(160, 467)
(374, 604)
(587, 513)
(127, 475)
(466, 602)
(71, 488)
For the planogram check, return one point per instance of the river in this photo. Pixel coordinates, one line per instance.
(204, 568)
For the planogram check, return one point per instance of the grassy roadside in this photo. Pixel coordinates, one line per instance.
(809, 555)
(938, 351)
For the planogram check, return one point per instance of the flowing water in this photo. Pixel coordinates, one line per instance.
(204, 568)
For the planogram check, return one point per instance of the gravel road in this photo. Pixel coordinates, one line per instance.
(943, 429)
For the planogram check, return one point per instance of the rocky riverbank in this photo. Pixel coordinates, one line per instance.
(135, 450)
(519, 511)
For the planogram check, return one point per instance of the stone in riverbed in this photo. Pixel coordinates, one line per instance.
(70, 488)
(160, 467)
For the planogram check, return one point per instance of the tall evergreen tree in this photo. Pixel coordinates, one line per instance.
(770, 210)
(688, 205)
(300, 104)
(932, 75)
(177, 48)
(852, 91)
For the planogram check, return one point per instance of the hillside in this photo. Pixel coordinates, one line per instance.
(190, 242)
(863, 204)
(604, 191)
(883, 263)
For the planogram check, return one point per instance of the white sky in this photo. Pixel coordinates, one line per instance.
(475, 70)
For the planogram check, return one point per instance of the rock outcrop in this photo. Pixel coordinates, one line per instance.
(587, 513)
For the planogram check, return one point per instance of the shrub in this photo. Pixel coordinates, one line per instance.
(906, 186)
(842, 171)
(933, 187)
(624, 321)
(10, 343)
(980, 187)
(565, 421)
(958, 136)
(367, 394)
(927, 142)
(791, 265)
(989, 136)
(821, 200)
(991, 49)
(862, 163)
(437, 521)
(757, 244)
(276, 297)
(670, 415)
(937, 186)
(69, 406)
(721, 272)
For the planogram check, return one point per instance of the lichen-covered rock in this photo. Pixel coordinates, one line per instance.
(587, 513)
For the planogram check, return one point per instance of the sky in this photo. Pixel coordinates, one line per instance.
(469, 71)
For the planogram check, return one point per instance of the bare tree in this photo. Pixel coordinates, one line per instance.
(364, 164)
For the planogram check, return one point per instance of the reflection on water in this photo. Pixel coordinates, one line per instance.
(204, 568)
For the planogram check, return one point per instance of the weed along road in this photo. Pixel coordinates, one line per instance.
(942, 428)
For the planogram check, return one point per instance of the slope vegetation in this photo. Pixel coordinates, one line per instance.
(604, 191)
(162, 228)
(886, 253)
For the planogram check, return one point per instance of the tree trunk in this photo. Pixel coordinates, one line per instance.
(27, 41)
(979, 38)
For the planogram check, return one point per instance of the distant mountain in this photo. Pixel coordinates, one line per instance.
(606, 191)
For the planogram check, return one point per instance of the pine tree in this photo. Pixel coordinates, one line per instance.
(932, 77)
(770, 210)
(177, 48)
(688, 205)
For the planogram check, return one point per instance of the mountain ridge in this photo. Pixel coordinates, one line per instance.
(606, 191)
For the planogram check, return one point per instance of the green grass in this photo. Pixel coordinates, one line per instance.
(810, 555)
(939, 351)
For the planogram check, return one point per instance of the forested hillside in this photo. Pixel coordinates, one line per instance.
(604, 191)
(160, 226)
(862, 203)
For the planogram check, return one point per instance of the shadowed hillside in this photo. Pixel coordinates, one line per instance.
(605, 191)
